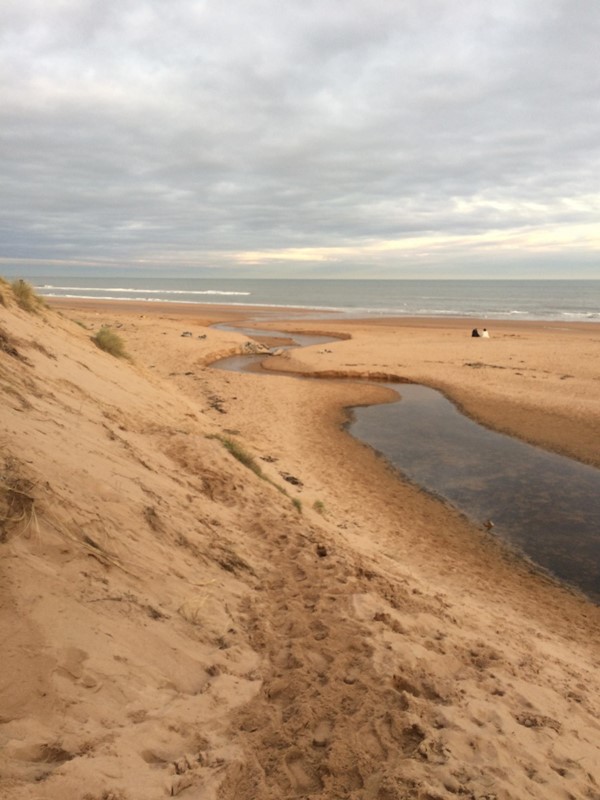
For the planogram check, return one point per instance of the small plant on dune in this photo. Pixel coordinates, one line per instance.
(17, 507)
(245, 458)
(319, 506)
(297, 503)
(237, 451)
(24, 295)
(110, 342)
(191, 609)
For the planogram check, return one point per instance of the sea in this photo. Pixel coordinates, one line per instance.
(551, 300)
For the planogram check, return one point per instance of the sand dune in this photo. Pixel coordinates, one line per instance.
(175, 622)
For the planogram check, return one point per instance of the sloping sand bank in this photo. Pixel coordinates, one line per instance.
(173, 624)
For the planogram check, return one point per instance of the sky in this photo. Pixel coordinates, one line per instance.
(271, 138)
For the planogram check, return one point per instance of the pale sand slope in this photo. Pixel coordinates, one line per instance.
(171, 625)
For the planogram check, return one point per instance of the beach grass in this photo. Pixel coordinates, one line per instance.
(24, 295)
(238, 452)
(17, 507)
(248, 460)
(109, 341)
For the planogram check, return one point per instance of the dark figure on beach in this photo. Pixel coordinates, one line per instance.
(474, 332)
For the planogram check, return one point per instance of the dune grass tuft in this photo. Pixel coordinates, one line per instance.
(237, 451)
(24, 295)
(245, 458)
(17, 507)
(109, 341)
(319, 506)
(4, 284)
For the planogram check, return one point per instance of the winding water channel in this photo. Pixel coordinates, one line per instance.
(546, 505)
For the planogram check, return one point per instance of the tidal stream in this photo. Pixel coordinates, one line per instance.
(544, 504)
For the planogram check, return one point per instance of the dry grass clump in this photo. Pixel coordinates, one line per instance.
(7, 345)
(17, 506)
(109, 341)
(24, 295)
(191, 609)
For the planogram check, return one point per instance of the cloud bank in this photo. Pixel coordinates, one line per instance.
(395, 138)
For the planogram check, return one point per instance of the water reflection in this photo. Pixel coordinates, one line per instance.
(297, 339)
(547, 505)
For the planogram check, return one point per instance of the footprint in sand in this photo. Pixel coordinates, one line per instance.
(71, 662)
(46, 753)
(299, 574)
(319, 630)
(317, 660)
(392, 733)
(411, 738)
(302, 776)
(322, 734)
(284, 691)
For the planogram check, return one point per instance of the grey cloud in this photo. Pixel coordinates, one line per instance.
(147, 129)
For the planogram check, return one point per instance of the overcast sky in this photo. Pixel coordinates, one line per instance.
(350, 138)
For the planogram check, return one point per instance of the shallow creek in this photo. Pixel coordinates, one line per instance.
(546, 505)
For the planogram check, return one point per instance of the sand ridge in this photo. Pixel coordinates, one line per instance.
(174, 625)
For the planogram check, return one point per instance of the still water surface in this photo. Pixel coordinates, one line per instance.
(545, 504)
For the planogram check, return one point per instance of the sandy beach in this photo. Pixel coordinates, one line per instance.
(210, 590)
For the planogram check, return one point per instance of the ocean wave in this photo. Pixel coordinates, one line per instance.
(219, 297)
(581, 314)
(190, 302)
(287, 306)
(117, 289)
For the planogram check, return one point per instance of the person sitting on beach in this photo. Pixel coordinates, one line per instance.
(475, 332)
(485, 333)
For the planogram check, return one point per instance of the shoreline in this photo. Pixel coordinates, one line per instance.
(290, 313)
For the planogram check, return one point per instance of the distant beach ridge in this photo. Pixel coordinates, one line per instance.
(551, 300)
